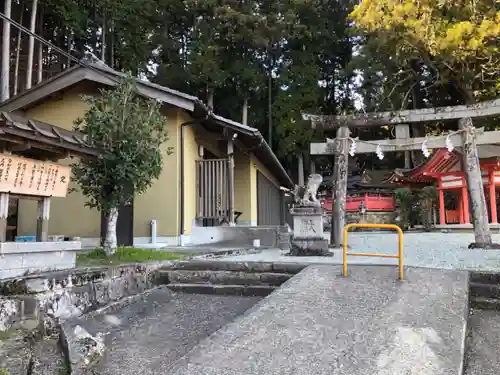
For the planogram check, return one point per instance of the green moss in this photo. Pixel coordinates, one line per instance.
(4, 371)
(5, 335)
(124, 255)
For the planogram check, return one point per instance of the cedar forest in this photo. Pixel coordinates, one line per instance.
(265, 62)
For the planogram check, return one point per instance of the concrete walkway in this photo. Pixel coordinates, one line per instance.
(321, 324)
(149, 335)
(429, 250)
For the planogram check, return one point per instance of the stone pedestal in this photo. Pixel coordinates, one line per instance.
(308, 237)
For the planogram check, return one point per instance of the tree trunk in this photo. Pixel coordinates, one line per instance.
(270, 110)
(39, 77)
(110, 242)
(301, 169)
(31, 46)
(5, 71)
(111, 60)
(103, 40)
(339, 195)
(475, 185)
(70, 47)
(210, 99)
(18, 50)
(244, 119)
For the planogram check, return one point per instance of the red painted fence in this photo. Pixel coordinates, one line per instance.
(372, 203)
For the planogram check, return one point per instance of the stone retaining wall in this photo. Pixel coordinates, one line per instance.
(61, 295)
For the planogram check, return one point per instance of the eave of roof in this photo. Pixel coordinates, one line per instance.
(16, 127)
(100, 73)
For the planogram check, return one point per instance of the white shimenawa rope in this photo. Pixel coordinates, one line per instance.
(380, 147)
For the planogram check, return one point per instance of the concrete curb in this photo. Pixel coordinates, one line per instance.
(223, 277)
(232, 290)
(220, 265)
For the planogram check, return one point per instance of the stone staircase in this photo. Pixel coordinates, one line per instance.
(485, 290)
(226, 278)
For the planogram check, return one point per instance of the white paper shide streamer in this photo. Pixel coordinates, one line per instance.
(379, 152)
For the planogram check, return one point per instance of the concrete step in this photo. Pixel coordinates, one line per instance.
(222, 277)
(484, 290)
(228, 290)
(218, 265)
(485, 303)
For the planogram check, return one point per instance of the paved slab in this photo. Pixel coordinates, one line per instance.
(146, 337)
(319, 323)
(484, 345)
(432, 250)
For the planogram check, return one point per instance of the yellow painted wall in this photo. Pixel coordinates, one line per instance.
(159, 202)
(191, 155)
(70, 217)
(243, 186)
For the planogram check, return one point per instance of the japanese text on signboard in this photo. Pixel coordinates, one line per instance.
(33, 177)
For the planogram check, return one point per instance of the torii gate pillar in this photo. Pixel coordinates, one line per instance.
(339, 192)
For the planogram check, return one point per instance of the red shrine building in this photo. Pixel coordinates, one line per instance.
(445, 169)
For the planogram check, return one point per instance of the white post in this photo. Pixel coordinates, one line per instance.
(153, 232)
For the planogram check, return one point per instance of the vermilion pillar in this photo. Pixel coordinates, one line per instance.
(493, 198)
(461, 207)
(465, 202)
(442, 218)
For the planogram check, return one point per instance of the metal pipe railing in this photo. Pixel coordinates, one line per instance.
(375, 226)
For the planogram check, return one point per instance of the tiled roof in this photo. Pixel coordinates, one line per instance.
(14, 126)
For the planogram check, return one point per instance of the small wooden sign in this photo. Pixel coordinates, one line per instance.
(24, 176)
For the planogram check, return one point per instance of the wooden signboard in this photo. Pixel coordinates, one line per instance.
(24, 176)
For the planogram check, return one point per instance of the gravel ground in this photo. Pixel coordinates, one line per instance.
(431, 250)
(147, 337)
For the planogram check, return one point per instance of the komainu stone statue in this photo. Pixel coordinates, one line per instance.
(307, 195)
(308, 239)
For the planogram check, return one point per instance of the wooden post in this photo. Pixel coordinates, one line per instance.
(42, 225)
(493, 198)
(230, 174)
(339, 192)
(442, 213)
(301, 169)
(403, 134)
(4, 213)
(475, 184)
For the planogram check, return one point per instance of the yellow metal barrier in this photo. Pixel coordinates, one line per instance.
(376, 226)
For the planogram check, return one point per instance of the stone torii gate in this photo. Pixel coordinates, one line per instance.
(467, 137)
